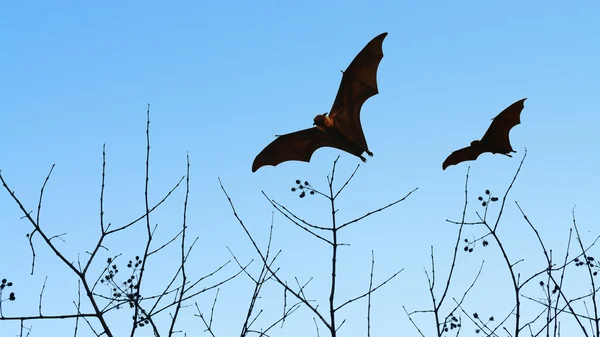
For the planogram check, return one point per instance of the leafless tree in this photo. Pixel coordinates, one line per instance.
(543, 316)
(327, 235)
(101, 285)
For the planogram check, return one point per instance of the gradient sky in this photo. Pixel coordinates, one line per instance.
(223, 77)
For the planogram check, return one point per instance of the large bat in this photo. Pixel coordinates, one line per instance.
(342, 128)
(495, 139)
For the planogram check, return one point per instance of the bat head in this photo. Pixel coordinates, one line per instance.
(322, 121)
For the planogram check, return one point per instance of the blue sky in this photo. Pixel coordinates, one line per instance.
(224, 77)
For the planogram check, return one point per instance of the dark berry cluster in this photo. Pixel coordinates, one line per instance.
(489, 198)
(470, 245)
(589, 261)
(5, 284)
(303, 188)
(556, 287)
(476, 316)
(127, 291)
(451, 323)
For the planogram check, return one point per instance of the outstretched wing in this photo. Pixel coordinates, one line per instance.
(496, 135)
(464, 154)
(299, 145)
(359, 83)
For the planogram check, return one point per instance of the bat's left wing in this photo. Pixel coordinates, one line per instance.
(299, 145)
(497, 134)
(359, 83)
(464, 154)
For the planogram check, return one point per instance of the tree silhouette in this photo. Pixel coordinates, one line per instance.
(328, 235)
(102, 286)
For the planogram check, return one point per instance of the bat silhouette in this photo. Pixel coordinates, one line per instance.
(342, 128)
(495, 140)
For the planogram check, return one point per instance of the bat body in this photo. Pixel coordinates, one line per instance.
(341, 129)
(495, 140)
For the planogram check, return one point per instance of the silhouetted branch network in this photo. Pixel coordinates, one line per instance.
(127, 292)
(512, 323)
(328, 235)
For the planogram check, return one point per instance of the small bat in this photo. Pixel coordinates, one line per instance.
(342, 128)
(495, 140)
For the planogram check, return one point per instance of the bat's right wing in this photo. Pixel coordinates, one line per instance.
(299, 145)
(464, 154)
(497, 134)
(359, 83)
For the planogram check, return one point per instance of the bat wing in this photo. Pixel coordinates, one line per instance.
(359, 83)
(300, 146)
(497, 134)
(464, 154)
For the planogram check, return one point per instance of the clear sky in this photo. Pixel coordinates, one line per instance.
(223, 77)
